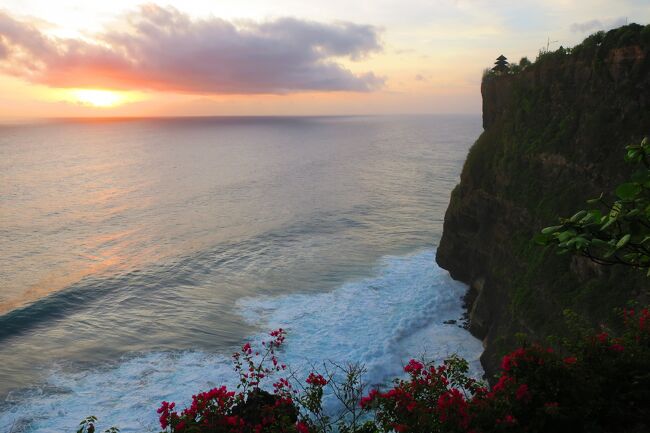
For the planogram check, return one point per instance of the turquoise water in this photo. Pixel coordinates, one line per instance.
(138, 254)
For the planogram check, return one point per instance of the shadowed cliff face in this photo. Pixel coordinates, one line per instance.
(554, 137)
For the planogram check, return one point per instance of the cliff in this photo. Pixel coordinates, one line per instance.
(554, 136)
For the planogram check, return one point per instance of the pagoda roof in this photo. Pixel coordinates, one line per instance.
(502, 57)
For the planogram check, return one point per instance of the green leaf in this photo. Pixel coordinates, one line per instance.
(609, 222)
(566, 235)
(628, 190)
(600, 243)
(630, 257)
(581, 243)
(595, 200)
(624, 240)
(550, 230)
(541, 239)
(578, 215)
(632, 154)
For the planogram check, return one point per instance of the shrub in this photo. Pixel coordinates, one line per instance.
(602, 385)
(616, 232)
(597, 382)
(250, 408)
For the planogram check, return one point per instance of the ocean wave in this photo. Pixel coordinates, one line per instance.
(379, 321)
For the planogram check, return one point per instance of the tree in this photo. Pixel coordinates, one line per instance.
(524, 63)
(615, 232)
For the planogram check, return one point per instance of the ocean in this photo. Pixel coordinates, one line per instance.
(138, 254)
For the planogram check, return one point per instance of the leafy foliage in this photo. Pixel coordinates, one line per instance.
(616, 232)
(87, 425)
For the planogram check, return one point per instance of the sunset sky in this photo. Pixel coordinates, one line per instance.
(259, 57)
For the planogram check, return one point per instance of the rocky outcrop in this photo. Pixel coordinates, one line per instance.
(554, 136)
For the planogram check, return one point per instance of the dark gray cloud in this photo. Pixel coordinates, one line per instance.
(164, 49)
(595, 25)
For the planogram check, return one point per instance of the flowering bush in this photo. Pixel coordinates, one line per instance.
(604, 386)
(249, 409)
(597, 382)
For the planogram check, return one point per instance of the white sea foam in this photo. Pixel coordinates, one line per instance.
(380, 321)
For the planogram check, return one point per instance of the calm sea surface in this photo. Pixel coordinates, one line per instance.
(137, 255)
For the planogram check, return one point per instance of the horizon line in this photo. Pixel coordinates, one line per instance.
(27, 120)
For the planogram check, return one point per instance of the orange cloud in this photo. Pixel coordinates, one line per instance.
(164, 49)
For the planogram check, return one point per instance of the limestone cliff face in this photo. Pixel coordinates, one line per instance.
(554, 136)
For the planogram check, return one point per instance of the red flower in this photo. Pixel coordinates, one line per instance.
(452, 405)
(302, 427)
(551, 407)
(510, 360)
(501, 384)
(522, 392)
(414, 367)
(316, 380)
(570, 360)
(643, 319)
(367, 400)
(602, 337)
(232, 420)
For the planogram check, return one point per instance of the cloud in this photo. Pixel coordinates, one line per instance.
(161, 48)
(594, 25)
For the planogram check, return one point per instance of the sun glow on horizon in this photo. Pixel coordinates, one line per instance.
(97, 98)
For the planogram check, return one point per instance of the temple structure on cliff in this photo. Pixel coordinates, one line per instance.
(501, 65)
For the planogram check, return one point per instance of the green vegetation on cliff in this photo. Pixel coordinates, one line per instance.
(611, 233)
(554, 135)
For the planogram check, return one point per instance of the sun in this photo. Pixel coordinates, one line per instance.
(97, 98)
